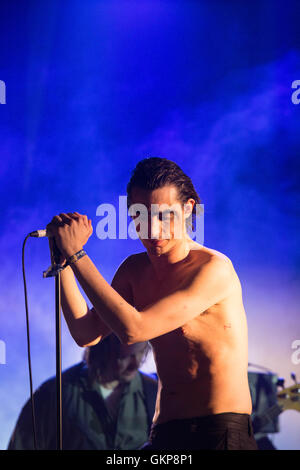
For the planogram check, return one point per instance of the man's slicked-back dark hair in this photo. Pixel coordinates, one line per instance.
(155, 172)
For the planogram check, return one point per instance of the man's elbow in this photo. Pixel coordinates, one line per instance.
(132, 333)
(84, 343)
(129, 337)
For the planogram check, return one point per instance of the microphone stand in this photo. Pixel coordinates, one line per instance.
(54, 271)
(58, 359)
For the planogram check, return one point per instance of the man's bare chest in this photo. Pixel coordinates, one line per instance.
(219, 320)
(146, 293)
(147, 289)
(149, 286)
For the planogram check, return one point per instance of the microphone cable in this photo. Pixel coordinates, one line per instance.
(28, 345)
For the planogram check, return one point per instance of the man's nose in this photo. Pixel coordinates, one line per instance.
(155, 228)
(134, 363)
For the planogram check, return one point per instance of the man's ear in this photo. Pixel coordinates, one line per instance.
(188, 208)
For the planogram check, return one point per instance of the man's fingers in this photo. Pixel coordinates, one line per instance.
(73, 215)
(56, 220)
(77, 216)
(65, 218)
(83, 217)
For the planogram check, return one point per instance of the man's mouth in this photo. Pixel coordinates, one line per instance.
(156, 242)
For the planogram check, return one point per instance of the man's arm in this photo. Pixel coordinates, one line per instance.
(212, 284)
(87, 326)
(112, 304)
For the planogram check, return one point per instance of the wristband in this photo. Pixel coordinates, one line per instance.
(72, 259)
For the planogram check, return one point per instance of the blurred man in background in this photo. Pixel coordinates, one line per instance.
(107, 403)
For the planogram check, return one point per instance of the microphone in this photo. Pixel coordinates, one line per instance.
(40, 233)
(53, 247)
(55, 252)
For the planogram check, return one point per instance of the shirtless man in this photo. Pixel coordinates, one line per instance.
(184, 298)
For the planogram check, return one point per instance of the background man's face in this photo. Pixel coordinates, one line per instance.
(165, 218)
(129, 360)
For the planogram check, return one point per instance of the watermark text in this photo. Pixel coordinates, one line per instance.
(2, 92)
(295, 358)
(2, 352)
(296, 94)
(160, 221)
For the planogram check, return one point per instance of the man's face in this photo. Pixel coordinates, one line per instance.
(129, 360)
(162, 224)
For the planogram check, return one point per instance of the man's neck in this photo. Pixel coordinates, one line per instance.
(109, 385)
(166, 262)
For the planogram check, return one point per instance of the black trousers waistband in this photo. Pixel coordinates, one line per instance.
(222, 431)
(216, 422)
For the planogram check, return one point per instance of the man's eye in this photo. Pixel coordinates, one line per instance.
(165, 215)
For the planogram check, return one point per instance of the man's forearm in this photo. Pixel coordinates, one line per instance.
(86, 327)
(71, 232)
(112, 308)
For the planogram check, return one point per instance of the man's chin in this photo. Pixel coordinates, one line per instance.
(157, 247)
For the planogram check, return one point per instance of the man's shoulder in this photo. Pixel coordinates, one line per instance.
(218, 256)
(70, 376)
(209, 257)
(149, 383)
(134, 257)
(209, 253)
(149, 378)
(133, 261)
(215, 267)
